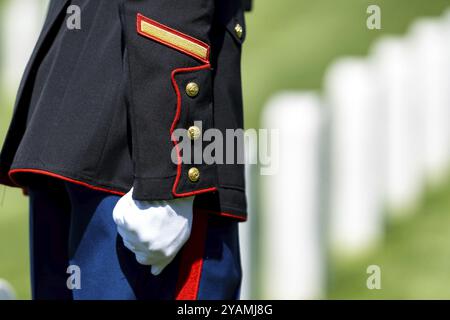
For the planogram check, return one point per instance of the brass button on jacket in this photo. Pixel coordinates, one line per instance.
(194, 174)
(192, 89)
(194, 132)
(239, 30)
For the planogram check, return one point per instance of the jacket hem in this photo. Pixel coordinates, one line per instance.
(13, 180)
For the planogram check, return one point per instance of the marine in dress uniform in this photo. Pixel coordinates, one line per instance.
(94, 117)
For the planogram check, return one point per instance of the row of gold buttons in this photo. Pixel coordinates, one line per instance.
(194, 132)
(192, 90)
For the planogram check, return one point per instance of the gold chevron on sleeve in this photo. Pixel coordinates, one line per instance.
(172, 38)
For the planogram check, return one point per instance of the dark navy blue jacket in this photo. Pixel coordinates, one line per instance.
(97, 106)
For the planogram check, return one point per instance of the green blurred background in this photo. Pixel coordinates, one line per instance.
(289, 45)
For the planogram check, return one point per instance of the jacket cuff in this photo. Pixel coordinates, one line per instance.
(171, 96)
(226, 202)
(166, 188)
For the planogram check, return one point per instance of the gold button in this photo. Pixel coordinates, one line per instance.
(239, 30)
(192, 89)
(194, 132)
(194, 174)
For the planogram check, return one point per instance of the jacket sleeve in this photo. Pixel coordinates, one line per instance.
(167, 46)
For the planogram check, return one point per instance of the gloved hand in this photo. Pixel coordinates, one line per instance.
(154, 230)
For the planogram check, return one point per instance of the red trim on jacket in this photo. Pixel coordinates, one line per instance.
(172, 129)
(223, 214)
(141, 18)
(58, 176)
(191, 261)
(87, 185)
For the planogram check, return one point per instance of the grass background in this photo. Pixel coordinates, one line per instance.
(289, 45)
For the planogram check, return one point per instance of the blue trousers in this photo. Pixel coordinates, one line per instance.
(77, 254)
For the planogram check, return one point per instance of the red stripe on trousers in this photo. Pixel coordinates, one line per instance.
(191, 261)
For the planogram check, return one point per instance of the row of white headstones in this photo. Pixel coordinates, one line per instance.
(363, 152)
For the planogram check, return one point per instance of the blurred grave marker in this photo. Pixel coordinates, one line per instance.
(247, 230)
(21, 22)
(431, 65)
(446, 32)
(6, 291)
(356, 156)
(391, 59)
(293, 260)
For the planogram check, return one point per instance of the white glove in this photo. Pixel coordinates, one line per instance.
(154, 230)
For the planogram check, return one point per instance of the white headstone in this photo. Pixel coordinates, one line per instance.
(446, 29)
(431, 65)
(404, 169)
(247, 241)
(6, 291)
(21, 23)
(357, 156)
(293, 266)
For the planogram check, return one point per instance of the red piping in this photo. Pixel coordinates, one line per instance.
(174, 140)
(54, 175)
(229, 215)
(222, 214)
(58, 176)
